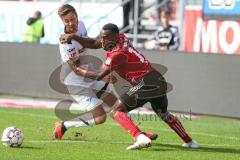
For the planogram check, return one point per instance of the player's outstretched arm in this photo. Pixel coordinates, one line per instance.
(118, 60)
(88, 42)
(103, 75)
(85, 42)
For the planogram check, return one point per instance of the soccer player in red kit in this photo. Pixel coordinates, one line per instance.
(148, 85)
(72, 53)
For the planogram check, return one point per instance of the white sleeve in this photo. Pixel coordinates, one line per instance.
(67, 51)
(82, 31)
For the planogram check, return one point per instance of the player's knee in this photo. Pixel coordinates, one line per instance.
(166, 116)
(113, 113)
(99, 115)
(118, 107)
(100, 119)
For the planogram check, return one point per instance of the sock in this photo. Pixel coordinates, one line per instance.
(84, 120)
(125, 121)
(176, 125)
(71, 124)
(142, 137)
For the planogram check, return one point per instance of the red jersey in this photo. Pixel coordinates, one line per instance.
(127, 61)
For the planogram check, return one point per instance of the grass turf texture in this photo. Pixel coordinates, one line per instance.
(219, 139)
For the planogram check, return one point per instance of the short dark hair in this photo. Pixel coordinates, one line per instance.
(65, 9)
(112, 27)
(38, 14)
(165, 12)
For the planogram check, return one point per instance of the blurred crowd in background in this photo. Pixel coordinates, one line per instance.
(152, 24)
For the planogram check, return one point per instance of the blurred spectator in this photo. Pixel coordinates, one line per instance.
(34, 29)
(166, 37)
(166, 6)
(128, 14)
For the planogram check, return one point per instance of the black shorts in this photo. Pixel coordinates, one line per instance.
(152, 88)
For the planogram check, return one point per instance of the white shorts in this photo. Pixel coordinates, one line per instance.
(86, 98)
(87, 102)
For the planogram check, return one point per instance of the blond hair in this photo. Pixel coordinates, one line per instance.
(65, 9)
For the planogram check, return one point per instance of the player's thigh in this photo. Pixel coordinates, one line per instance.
(131, 102)
(88, 101)
(109, 99)
(160, 104)
(99, 114)
(105, 91)
(154, 85)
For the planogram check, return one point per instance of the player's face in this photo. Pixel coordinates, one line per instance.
(108, 40)
(165, 19)
(70, 22)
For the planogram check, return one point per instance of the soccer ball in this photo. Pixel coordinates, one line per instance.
(12, 137)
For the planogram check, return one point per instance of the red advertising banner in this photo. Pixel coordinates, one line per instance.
(210, 36)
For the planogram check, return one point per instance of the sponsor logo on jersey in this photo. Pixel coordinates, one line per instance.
(108, 61)
(70, 50)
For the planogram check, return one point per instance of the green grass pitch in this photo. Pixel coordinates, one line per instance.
(219, 139)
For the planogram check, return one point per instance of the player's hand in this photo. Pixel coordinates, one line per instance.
(113, 79)
(110, 79)
(64, 38)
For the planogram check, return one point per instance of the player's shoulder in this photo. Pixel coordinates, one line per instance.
(81, 25)
(82, 31)
(174, 29)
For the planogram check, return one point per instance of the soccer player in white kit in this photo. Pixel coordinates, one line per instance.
(85, 89)
(85, 94)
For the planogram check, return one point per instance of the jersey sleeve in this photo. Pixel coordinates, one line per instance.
(82, 31)
(67, 52)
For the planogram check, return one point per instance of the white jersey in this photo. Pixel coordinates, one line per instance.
(72, 51)
(83, 90)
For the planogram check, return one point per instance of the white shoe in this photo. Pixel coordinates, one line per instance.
(142, 142)
(192, 144)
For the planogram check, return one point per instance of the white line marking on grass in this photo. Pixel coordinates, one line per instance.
(221, 145)
(195, 133)
(125, 142)
(216, 136)
(29, 114)
(76, 141)
(115, 124)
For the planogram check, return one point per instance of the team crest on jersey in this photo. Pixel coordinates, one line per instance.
(72, 55)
